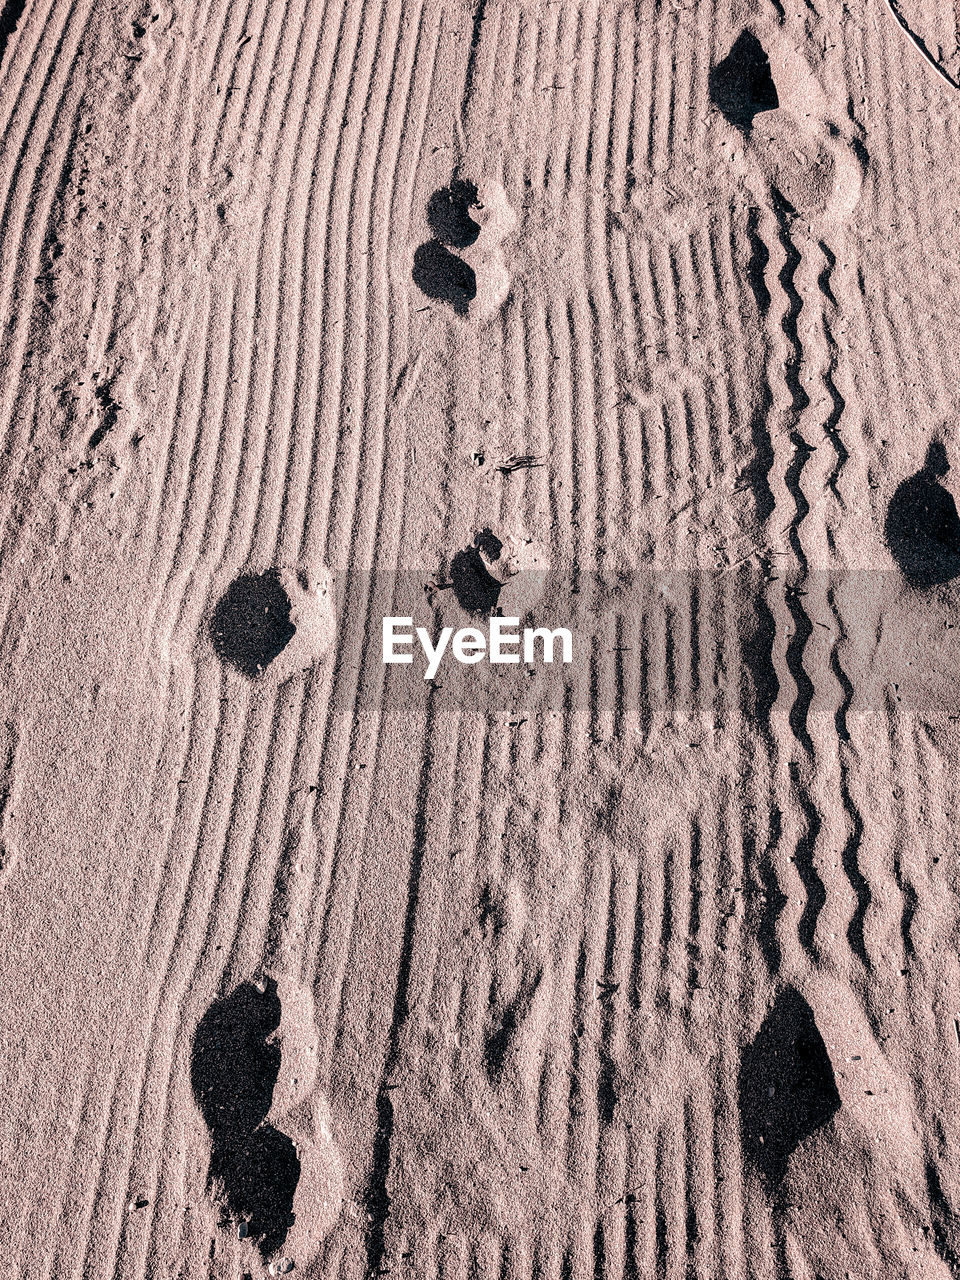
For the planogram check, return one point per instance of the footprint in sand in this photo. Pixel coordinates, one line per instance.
(741, 85)
(254, 1061)
(279, 619)
(786, 1086)
(234, 1068)
(474, 220)
(503, 572)
(789, 146)
(828, 1127)
(922, 526)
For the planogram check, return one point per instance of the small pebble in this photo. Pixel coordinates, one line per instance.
(243, 1230)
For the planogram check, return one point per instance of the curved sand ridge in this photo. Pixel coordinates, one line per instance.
(529, 979)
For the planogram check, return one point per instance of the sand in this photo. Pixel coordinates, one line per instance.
(636, 319)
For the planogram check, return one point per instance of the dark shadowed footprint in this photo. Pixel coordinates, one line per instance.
(440, 274)
(792, 154)
(741, 86)
(922, 527)
(833, 1133)
(251, 624)
(474, 586)
(448, 213)
(787, 1088)
(443, 276)
(254, 1169)
(282, 621)
(505, 571)
(473, 219)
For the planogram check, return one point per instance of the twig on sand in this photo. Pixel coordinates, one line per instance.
(920, 47)
(523, 462)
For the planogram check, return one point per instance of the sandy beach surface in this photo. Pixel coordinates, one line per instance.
(634, 319)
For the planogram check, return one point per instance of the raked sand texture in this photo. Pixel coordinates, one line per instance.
(648, 972)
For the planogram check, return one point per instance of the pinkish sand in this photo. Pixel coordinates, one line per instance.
(637, 319)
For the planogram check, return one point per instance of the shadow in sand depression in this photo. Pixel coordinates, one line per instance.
(474, 586)
(443, 276)
(251, 623)
(234, 1067)
(741, 85)
(922, 527)
(786, 1085)
(448, 213)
